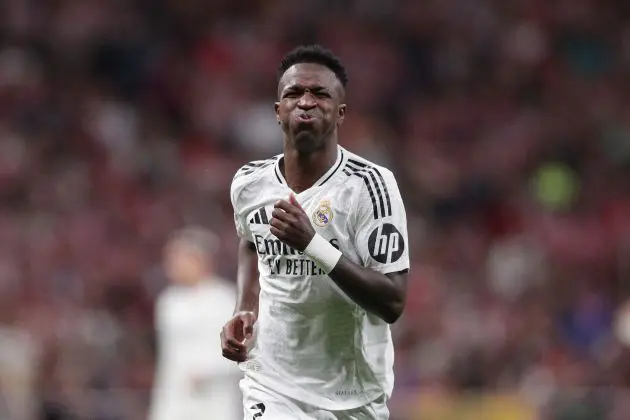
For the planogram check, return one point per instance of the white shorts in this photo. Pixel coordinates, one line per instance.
(260, 403)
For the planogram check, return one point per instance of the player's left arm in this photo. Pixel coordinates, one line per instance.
(382, 294)
(379, 285)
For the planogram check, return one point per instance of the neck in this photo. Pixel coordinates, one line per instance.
(302, 170)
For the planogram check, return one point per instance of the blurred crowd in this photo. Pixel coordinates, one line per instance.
(505, 122)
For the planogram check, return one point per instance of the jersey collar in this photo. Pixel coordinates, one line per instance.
(334, 169)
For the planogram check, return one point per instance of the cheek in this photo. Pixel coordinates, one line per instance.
(331, 113)
(285, 107)
(284, 114)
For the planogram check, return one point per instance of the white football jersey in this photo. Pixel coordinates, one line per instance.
(192, 378)
(313, 343)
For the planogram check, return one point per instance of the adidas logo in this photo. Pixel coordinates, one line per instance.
(260, 218)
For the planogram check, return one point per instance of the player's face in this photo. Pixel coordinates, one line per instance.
(310, 105)
(183, 264)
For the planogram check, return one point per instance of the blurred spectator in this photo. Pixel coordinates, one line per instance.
(18, 366)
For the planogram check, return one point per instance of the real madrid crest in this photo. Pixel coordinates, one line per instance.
(323, 215)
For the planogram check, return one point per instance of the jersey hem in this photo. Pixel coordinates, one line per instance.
(389, 269)
(294, 393)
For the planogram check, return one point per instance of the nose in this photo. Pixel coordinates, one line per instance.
(307, 101)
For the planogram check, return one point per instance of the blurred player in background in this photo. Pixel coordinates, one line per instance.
(20, 355)
(193, 381)
(328, 231)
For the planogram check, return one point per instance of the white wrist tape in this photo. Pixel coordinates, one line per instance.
(323, 253)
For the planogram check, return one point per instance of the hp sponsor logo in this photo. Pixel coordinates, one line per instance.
(386, 244)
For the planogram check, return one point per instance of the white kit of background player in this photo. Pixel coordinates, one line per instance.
(192, 381)
(312, 342)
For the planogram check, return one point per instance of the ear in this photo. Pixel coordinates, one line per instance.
(341, 114)
(277, 108)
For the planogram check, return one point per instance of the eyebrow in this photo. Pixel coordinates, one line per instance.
(314, 88)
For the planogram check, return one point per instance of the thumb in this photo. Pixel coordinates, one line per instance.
(248, 319)
(293, 200)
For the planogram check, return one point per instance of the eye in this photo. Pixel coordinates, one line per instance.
(291, 94)
(322, 94)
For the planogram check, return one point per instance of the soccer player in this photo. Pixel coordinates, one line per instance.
(328, 232)
(192, 382)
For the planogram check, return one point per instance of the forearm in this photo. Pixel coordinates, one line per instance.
(248, 288)
(247, 298)
(373, 291)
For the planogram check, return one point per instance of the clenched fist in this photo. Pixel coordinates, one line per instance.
(290, 224)
(236, 334)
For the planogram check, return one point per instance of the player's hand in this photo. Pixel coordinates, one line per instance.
(235, 336)
(290, 224)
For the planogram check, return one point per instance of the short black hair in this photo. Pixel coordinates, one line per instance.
(315, 54)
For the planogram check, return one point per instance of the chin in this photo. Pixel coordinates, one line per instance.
(307, 142)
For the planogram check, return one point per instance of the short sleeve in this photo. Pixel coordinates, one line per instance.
(240, 220)
(381, 223)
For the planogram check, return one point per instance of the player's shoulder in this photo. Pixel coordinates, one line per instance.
(361, 167)
(374, 185)
(254, 170)
(252, 175)
(166, 297)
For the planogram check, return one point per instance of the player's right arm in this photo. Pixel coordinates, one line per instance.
(239, 329)
(248, 287)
